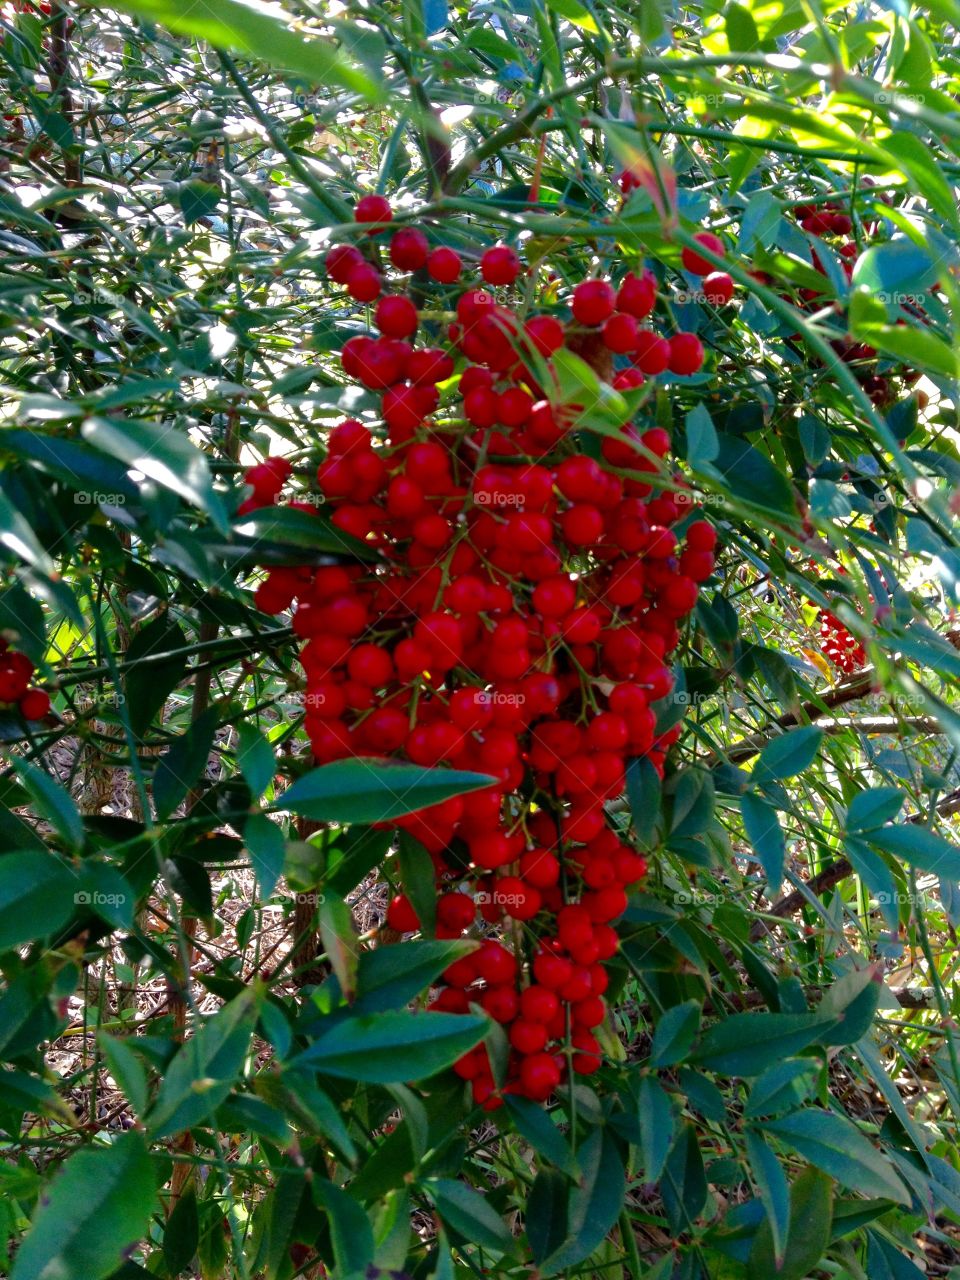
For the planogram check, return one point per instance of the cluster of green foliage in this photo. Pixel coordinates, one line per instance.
(182, 1093)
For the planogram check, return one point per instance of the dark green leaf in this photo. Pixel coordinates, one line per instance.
(387, 1048)
(183, 765)
(674, 1034)
(466, 1212)
(835, 1145)
(37, 894)
(807, 1232)
(204, 1069)
(359, 790)
(112, 1187)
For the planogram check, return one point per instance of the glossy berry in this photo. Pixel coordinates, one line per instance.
(718, 288)
(686, 353)
(499, 265)
(372, 208)
(444, 265)
(593, 302)
(694, 262)
(408, 249)
(396, 316)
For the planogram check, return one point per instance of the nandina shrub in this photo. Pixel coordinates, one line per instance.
(478, 527)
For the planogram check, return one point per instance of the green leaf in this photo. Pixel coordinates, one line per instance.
(835, 1145)
(537, 1126)
(874, 807)
(684, 1184)
(897, 267)
(197, 199)
(36, 896)
(182, 1234)
(350, 1230)
(807, 1230)
(702, 443)
(790, 754)
(418, 878)
(265, 34)
(774, 1194)
(643, 793)
(658, 1126)
(126, 1068)
(752, 477)
(546, 1213)
(764, 832)
(204, 1069)
(853, 999)
(53, 802)
(576, 13)
(921, 848)
(360, 790)
(675, 1033)
(782, 1087)
(747, 1043)
(595, 1202)
(165, 454)
(183, 765)
(335, 920)
(155, 667)
(466, 1212)
(286, 528)
(96, 1208)
(390, 1048)
(267, 846)
(255, 757)
(390, 977)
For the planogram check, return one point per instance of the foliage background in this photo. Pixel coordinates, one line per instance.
(784, 1087)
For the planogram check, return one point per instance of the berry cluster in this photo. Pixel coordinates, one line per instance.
(16, 671)
(519, 625)
(844, 650)
(829, 222)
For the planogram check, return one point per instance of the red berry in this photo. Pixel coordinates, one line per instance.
(593, 302)
(341, 261)
(718, 288)
(539, 1004)
(372, 208)
(620, 333)
(401, 915)
(35, 704)
(363, 283)
(652, 353)
(499, 265)
(694, 262)
(545, 334)
(396, 316)
(637, 295)
(528, 1037)
(444, 265)
(686, 353)
(408, 249)
(539, 1076)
